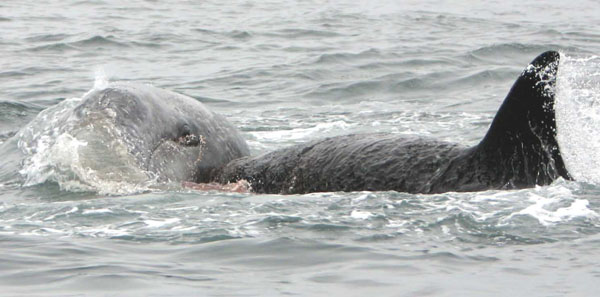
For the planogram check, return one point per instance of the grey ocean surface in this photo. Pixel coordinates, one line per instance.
(286, 72)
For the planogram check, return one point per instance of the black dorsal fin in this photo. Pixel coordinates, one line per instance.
(523, 132)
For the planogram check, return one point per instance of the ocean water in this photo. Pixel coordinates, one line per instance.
(286, 72)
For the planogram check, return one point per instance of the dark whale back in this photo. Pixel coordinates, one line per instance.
(519, 150)
(345, 163)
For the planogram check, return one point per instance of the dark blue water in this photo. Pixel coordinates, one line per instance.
(285, 72)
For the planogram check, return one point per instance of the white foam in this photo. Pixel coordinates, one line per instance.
(96, 211)
(360, 214)
(160, 223)
(545, 210)
(578, 116)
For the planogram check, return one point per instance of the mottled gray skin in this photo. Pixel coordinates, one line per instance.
(520, 150)
(170, 135)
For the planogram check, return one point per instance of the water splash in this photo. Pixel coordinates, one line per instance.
(101, 80)
(545, 210)
(578, 116)
(79, 155)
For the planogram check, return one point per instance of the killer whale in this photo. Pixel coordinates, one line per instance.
(519, 150)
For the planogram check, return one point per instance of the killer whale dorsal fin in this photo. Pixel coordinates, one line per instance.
(523, 132)
(530, 102)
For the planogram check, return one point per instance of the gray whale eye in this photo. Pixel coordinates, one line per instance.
(187, 138)
(185, 130)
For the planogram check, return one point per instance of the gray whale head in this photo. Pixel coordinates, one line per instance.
(124, 138)
(171, 136)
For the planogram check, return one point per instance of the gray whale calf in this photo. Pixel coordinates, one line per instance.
(125, 137)
(519, 150)
(171, 136)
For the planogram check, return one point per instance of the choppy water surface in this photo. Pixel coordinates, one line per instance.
(286, 72)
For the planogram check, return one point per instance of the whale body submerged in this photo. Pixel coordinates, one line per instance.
(519, 150)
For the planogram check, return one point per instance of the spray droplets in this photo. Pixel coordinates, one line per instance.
(578, 116)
